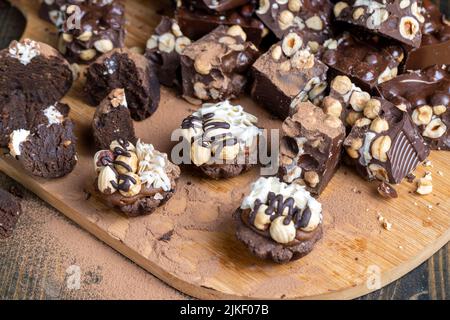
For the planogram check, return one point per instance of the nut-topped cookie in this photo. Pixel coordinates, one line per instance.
(278, 221)
(136, 179)
(222, 138)
(215, 67)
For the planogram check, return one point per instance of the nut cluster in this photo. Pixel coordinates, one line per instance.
(171, 41)
(429, 119)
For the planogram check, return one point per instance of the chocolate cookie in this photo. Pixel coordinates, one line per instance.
(33, 72)
(112, 120)
(123, 68)
(134, 179)
(278, 221)
(48, 149)
(10, 210)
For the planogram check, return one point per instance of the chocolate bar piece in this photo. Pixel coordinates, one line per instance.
(215, 67)
(425, 94)
(164, 49)
(101, 28)
(215, 5)
(365, 63)
(397, 19)
(387, 148)
(310, 147)
(288, 74)
(435, 40)
(312, 17)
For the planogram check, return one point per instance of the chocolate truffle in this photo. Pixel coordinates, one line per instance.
(112, 120)
(10, 211)
(278, 221)
(123, 68)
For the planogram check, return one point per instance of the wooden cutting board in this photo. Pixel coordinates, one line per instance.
(190, 243)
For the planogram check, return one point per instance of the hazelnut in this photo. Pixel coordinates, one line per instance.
(226, 152)
(237, 31)
(312, 178)
(200, 152)
(358, 13)
(317, 90)
(294, 5)
(352, 117)
(404, 4)
(341, 84)
(379, 125)
(264, 6)
(107, 180)
(314, 46)
(88, 54)
(380, 147)
(303, 60)
(440, 109)
(227, 40)
(67, 37)
(333, 122)
(166, 42)
(402, 107)
(285, 19)
(176, 30)
(358, 100)
(338, 7)
(103, 158)
(378, 172)
(124, 164)
(291, 44)
(388, 74)
(424, 186)
(409, 27)
(332, 106)
(422, 115)
(152, 43)
(131, 182)
(236, 47)
(200, 91)
(276, 53)
(262, 220)
(85, 36)
(377, 18)
(354, 147)
(281, 232)
(372, 108)
(285, 66)
(314, 23)
(201, 66)
(103, 45)
(415, 10)
(435, 129)
(362, 122)
(117, 145)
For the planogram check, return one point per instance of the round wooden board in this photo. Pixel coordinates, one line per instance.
(190, 242)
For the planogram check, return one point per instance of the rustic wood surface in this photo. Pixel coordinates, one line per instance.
(430, 280)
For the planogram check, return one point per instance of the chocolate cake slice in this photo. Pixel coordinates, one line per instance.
(47, 149)
(112, 120)
(123, 68)
(34, 72)
(10, 210)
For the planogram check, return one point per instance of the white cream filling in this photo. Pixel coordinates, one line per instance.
(15, 140)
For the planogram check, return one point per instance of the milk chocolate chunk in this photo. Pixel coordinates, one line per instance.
(163, 50)
(215, 67)
(286, 75)
(125, 69)
(10, 211)
(367, 63)
(134, 178)
(401, 20)
(425, 94)
(112, 120)
(100, 29)
(313, 17)
(279, 222)
(387, 148)
(311, 146)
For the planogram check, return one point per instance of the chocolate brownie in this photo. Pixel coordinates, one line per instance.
(33, 72)
(13, 115)
(123, 68)
(48, 148)
(10, 210)
(164, 49)
(278, 221)
(112, 120)
(221, 139)
(215, 67)
(311, 146)
(100, 29)
(136, 179)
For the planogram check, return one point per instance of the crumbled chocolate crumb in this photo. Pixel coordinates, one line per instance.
(410, 178)
(87, 195)
(15, 191)
(166, 237)
(387, 191)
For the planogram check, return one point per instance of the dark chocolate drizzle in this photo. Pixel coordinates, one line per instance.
(122, 150)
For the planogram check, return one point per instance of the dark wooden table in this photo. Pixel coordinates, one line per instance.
(429, 281)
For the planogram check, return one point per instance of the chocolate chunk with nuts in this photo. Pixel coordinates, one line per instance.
(310, 147)
(286, 75)
(214, 5)
(215, 67)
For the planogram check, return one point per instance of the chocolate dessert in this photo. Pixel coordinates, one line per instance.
(278, 221)
(311, 146)
(135, 179)
(123, 68)
(221, 139)
(10, 211)
(112, 120)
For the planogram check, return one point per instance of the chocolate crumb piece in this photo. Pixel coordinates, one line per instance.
(167, 236)
(10, 210)
(410, 177)
(387, 191)
(17, 192)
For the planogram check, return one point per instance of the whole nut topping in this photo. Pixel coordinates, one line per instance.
(317, 90)
(435, 129)
(440, 109)
(359, 99)
(314, 23)
(200, 91)
(176, 30)
(358, 13)
(282, 233)
(227, 40)
(422, 115)
(378, 172)
(285, 19)
(152, 43)
(124, 164)
(262, 220)
(379, 125)
(181, 43)
(103, 158)
(202, 66)
(409, 27)
(291, 44)
(294, 5)
(338, 7)
(372, 108)
(362, 122)
(303, 60)
(134, 182)
(237, 31)
(166, 42)
(67, 37)
(88, 54)
(380, 147)
(314, 46)
(333, 122)
(103, 45)
(352, 117)
(276, 53)
(116, 145)
(388, 74)
(200, 153)
(312, 178)
(85, 36)
(341, 84)
(415, 10)
(332, 106)
(107, 178)
(404, 4)
(377, 18)
(264, 6)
